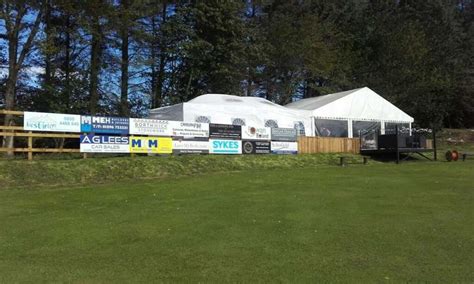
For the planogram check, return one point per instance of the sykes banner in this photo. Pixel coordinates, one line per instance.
(256, 147)
(284, 134)
(279, 147)
(189, 129)
(156, 145)
(156, 127)
(254, 133)
(183, 146)
(57, 122)
(100, 124)
(225, 131)
(225, 146)
(104, 144)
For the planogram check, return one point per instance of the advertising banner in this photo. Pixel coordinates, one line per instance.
(256, 147)
(225, 131)
(57, 122)
(284, 134)
(279, 147)
(182, 146)
(189, 129)
(156, 145)
(225, 146)
(104, 144)
(254, 133)
(101, 124)
(143, 126)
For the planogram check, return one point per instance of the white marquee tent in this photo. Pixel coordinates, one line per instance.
(227, 109)
(344, 114)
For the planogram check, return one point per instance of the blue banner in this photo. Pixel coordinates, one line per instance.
(104, 144)
(101, 124)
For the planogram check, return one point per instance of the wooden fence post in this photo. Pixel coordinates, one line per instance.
(30, 146)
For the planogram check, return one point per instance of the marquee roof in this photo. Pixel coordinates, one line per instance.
(358, 104)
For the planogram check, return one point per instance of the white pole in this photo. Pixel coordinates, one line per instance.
(410, 127)
(349, 128)
(382, 127)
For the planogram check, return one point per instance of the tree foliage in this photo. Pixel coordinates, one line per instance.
(123, 57)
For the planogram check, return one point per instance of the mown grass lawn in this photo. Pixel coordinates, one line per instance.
(376, 223)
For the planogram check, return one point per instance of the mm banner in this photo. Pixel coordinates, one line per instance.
(189, 129)
(104, 144)
(225, 131)
(57, 122)
(255, 133)
(279, 147)
(156, 145)
(225, 146)
(156, 127)
(284, 134)
(256, 147)
(188, 146)
(101, 124)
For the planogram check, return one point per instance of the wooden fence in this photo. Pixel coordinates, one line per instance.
(18, 131)
(310, 145)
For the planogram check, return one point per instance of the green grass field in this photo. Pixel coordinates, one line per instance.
(375, 223)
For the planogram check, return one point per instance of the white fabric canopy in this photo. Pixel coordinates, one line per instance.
(227, 109)
(359, 104)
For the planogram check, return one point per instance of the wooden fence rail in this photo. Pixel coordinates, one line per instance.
(310, 145)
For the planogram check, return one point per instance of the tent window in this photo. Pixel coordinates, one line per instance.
(203, 119)
(364, 127)
(402, 127)
(299, 126)
(238, 121)
(271, 123)
(331, 128)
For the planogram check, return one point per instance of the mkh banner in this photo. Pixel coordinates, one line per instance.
(57, 122)
(104, 144)
(225, 146)
(100, 124)
(156, 145)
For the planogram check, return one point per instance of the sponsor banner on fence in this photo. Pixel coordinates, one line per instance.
(281, 147)
(102, 124)
(217, 146)
(58, 122)
(104, 144)
(225, 131)
(284, 134)
(256, 133)
(256, 147)
(144, 126)
(189, 129)
(186, 146)
(156, 145)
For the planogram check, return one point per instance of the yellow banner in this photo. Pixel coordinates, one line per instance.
(156, 145)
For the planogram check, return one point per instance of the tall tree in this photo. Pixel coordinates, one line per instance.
(22, 20)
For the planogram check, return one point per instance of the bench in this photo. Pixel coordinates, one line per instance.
(466, 155)
(343, 162)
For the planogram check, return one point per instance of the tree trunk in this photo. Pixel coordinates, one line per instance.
(96, 54)
(124, 31)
